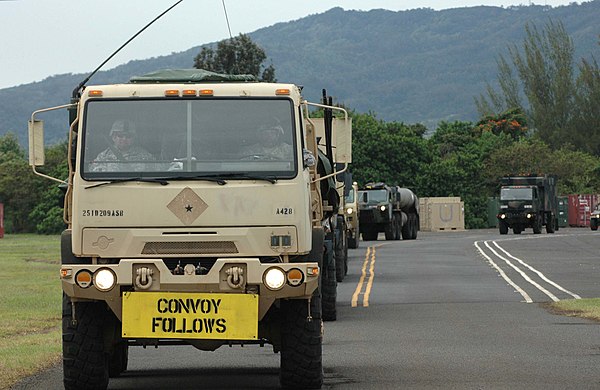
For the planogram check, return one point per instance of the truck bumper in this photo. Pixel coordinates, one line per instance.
(227, 275)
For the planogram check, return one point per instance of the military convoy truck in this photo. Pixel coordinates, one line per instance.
(528, 202)
(188, 238)
(389, 209)
(352, 216)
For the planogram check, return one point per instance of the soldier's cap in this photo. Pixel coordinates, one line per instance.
(123, 126)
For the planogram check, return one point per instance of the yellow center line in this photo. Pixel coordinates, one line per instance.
(370, 282)
(362, 278)
(368, 266)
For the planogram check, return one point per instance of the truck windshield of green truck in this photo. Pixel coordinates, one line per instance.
(525, 193)
(373, 196)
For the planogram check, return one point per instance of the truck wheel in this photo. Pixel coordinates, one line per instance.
(594, 224)
(85, 362)
(328, 286)
(353, 241)
(550, 224)
(341, 251)
(407, 229)
(517, 230)
(415, 226)
(301, 344)
(537, 225)
(502, 227)
(390, 229)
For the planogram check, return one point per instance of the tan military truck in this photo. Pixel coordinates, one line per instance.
(195, 215)
(352, 216)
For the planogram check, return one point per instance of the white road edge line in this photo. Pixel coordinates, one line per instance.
(523, 274)
(540, 274)
(508, 280)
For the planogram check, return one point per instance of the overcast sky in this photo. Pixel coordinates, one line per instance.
(47, 37)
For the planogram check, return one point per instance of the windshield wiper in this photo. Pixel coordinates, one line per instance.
(162, 182)
(245, 176)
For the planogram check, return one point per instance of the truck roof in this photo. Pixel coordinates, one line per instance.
(191, 76)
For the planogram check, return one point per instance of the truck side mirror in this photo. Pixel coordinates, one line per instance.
(36, 143)
(342, 131)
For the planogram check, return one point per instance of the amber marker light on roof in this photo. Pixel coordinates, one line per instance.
(206, 92)
(189, 92)
(282, 91)
(95, 92)
(172, 92)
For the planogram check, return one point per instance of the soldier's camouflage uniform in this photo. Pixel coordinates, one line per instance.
(282, 151)
(104, 161)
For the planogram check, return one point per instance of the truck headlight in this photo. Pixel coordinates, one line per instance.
(529, 216)
(274, 278)
(104, 279)
(349, 210)
(502, 216)
(382, 208)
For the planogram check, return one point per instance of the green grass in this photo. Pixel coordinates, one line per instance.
(585, 308)
(30, 305)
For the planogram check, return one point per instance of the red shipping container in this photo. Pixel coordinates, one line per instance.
(1, 220)
(580, 208)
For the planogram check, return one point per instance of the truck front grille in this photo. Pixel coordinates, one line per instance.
(189, 248)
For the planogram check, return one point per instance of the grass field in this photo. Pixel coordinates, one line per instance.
(30, 303)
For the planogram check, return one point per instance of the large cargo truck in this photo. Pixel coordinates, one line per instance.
(183, 229)
(528, 202)
(389, 209)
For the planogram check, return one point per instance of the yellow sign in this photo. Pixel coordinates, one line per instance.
(190, 316)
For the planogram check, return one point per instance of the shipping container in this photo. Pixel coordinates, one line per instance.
(580, 208)
(563, 211)
(441, 214)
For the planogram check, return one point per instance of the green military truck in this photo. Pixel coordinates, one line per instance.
(528, 202)
(352, 215)
(389, 209)
(595, 219)
(194, 234)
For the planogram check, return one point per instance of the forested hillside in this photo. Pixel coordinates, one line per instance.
(418, 66)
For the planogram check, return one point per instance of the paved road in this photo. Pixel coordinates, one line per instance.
(450, 310)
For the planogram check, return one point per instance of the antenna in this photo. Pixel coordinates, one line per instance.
(227, 19)
(77, 90)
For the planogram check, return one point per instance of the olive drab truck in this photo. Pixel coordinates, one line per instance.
(389, 209)
(195, 240)
(528, 202)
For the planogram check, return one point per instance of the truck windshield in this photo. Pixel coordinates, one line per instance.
(516, 194)
(350, 196)
(178, 139)
(373, 196)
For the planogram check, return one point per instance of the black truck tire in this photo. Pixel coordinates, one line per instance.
(301, 344)
(537, 225)
(328, 286)
(353, 241)
(341, 251)
(85, 361)
(390, 229)
(369, 233)
(502, 227)
(550, 223)
(594, 224)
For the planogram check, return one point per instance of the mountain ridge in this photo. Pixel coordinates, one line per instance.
(416, 66)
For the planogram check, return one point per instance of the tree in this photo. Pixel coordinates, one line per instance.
(545, 68)
(239, 55)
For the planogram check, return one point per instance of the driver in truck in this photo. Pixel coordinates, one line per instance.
(123, 154)
(270, 145)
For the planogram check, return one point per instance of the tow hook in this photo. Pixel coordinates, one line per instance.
(235, 277)
(143, 280)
